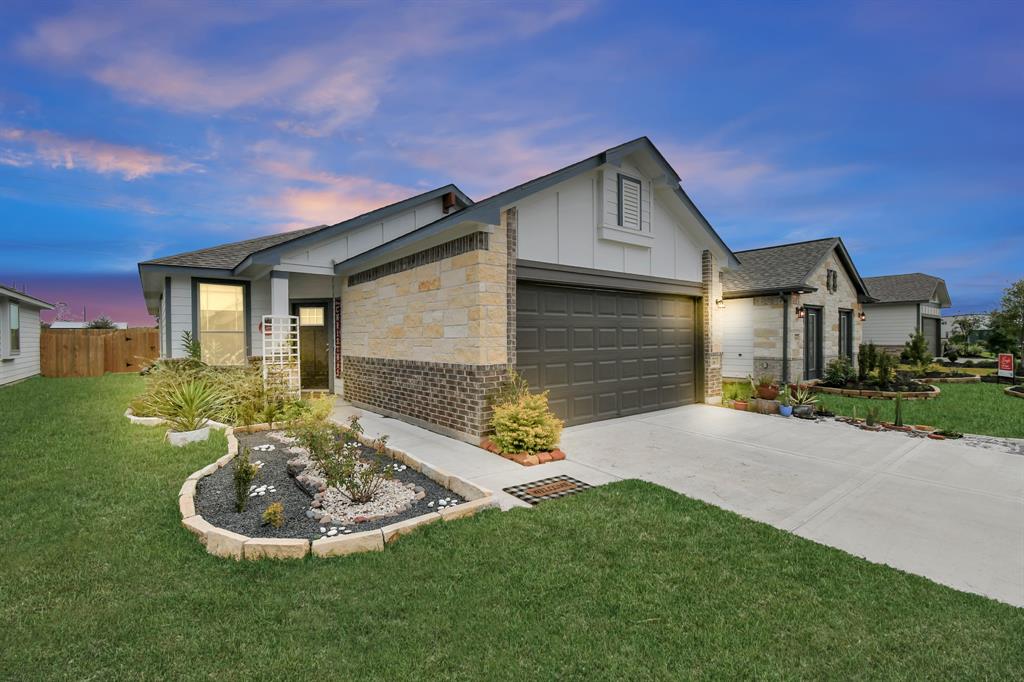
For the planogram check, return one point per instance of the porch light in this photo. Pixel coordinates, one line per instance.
(862, 316)
(801, 312)
(720, 303)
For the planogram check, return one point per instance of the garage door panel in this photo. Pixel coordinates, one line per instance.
(605, 353)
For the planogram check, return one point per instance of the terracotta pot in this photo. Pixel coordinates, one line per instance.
(740, 405)
(767, 392)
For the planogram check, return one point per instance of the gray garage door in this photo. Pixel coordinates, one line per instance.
(931, 327)
(605, 354)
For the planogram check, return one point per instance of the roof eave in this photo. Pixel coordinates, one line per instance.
(769, 291)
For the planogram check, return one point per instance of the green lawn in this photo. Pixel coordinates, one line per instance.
(99, 581)
(968, 408)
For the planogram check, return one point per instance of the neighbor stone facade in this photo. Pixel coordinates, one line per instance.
(430, 342)
(711, 285)
(768, 323)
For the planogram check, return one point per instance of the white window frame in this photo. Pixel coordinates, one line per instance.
(11, 352)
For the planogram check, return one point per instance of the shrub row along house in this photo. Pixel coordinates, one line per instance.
(601, 283)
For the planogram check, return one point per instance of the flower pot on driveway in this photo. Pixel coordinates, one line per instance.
(740, 405)
(767, 392)
(181, 438)
(786, 410)
(805, 411)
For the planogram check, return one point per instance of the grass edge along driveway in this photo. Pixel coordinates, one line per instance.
(99, 580)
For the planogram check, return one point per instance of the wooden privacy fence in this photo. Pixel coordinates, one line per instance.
(93, 352)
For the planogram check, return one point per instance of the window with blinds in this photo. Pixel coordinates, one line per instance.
(629, 202)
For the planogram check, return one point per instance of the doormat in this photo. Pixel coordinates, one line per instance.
(547, 489)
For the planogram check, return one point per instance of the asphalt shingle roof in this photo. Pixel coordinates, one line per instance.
(227, 256)
(914, 286)
(776, 268)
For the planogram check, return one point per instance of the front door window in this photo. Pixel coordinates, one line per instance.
(313, 344)
(846, 333)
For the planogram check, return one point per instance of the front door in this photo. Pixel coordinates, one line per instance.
(314, 343)
(812, 343)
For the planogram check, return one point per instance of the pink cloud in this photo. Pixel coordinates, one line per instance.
(319, 87)
(101, 157)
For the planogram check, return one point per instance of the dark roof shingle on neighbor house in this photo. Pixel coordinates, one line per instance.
(913, 287)
(786, 267)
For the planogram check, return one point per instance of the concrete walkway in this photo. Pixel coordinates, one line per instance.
(947, 511)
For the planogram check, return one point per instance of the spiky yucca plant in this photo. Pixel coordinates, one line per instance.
(186, 404)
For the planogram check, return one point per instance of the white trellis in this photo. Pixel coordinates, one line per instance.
(281, 351)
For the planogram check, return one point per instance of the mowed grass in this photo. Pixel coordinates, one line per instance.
(99, 581)
(968, 408)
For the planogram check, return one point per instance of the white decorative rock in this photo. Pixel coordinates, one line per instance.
(182, 438)
(467, 508)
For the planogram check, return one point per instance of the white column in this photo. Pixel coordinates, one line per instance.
(279, 293)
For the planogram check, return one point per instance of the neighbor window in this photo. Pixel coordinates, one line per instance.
(629, 202)
(222, 323)
(846, 333)
(14, 324)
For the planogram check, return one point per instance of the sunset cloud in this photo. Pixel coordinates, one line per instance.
(58, 151)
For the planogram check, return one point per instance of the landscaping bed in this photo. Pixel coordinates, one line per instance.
(215, 496)
(909, 390)
(1015, 391)
(951, 377)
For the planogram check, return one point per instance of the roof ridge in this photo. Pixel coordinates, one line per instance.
(779, 246)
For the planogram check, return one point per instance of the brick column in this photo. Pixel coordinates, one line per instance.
(711, 286)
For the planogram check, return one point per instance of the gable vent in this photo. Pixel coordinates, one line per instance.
(629, 202)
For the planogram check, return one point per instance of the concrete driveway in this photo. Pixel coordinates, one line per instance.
(948, 511)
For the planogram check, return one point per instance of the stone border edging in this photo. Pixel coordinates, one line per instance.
(974, 379)
(888, 395)
(1016, 394)
(224, 543)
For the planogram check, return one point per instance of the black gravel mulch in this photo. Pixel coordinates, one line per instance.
(215, 495)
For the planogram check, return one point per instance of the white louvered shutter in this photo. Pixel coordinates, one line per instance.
(629, 203)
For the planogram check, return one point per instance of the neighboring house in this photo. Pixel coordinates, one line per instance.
(596, 282)
(905, 304)
(949, 326)
(67, 324)
(790, 309)
(19, 335)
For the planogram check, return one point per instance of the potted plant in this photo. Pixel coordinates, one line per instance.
(785, 402)
(803, 403)
(187, 405)
(765, 387)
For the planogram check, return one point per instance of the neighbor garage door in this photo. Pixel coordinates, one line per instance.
(932, 327)
(605, 354)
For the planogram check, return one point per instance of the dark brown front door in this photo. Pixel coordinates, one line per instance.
(604, 353)
(314, 343)
(812, 343)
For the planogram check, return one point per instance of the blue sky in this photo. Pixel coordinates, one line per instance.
(134, 130)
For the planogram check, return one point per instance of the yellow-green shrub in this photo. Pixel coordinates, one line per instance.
(526, 425)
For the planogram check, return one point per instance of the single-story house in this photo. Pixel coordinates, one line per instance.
(788, 310)
(950, 327)
(905, 304)
(19, 335)
(596, 282)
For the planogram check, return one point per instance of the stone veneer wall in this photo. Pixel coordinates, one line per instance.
(431, 342)
(711, 285)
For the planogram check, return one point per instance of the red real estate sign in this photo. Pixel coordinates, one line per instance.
(1006, 365)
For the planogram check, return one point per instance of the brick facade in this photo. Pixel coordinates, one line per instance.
(447, 397)
(711, 289)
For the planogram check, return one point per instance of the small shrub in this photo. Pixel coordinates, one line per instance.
(186, 404)
(784, 398)
(917, 353)
(871, 415)
(526, 425)
(736, 390)
(336, 451)
(102, 322)
(274, 515)
(244, 474)
(805, 396)
(867, 360)
(512, 388)
(886, 369)
(838, 372)
(193, 349)
(898, 419)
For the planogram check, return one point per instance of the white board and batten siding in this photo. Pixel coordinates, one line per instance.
(350, 244)
(575, 223)
(25, 363)
(889, 325)
(737, 323)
